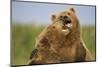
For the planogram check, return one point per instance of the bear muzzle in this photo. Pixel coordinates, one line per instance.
(65, 19)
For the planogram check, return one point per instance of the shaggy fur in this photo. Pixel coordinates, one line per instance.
(61, 41)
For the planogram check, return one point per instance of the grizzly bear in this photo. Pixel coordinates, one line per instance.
(60, 41)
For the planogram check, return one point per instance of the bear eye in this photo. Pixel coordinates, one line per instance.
(61, 16)
(68, 13)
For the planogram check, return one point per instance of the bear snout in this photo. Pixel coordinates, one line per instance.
(65, 19)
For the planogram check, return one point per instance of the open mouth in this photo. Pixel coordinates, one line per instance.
(65, 20)
(67, 25)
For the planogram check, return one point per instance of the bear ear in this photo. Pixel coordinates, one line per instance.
(72, 9)
(53, 17)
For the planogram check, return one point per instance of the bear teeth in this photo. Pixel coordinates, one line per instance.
(69, 25)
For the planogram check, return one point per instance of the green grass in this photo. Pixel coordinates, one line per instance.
(88, 35)
(23, 41)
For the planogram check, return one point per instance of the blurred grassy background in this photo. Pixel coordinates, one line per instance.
(23, 41)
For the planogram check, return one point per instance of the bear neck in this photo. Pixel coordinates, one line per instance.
(73, 36)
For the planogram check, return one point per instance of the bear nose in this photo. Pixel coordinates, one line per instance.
(65, 17)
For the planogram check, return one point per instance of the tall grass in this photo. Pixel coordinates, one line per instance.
(23, 41)
(89, 37)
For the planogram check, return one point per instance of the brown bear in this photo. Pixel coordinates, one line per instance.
(60, 41)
